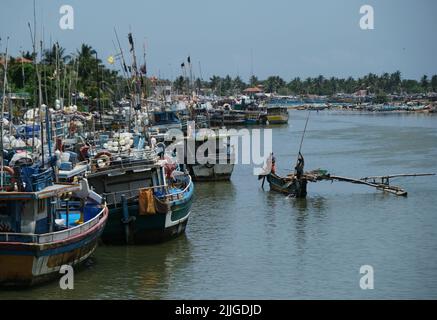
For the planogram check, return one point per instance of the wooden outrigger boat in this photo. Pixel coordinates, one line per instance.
(288, 185)
(297, 187)
(44, 226)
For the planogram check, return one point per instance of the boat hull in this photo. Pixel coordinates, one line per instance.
(251, 122)
(147, 229)
(215, 172)
(28, 264)
(279, 184)
(278, 119)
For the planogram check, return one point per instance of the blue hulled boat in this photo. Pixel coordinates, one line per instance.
(45, 225)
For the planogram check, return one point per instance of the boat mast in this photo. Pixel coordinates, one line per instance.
(40, 100)
(145, 81)
(137, 77)
(126, 71)
(5, 79)
(98, 94)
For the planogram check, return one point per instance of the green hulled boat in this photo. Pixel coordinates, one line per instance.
(148, 200)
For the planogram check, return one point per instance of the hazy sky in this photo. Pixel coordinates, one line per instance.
(287, 38)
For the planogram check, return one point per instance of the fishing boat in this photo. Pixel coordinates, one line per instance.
(277, 115)
(289, 185)
(234, 118)
(254, 112)
(227, 117)
(45, 225)
(254, 117)
(149, 200)
(165, 120)
(217, 166)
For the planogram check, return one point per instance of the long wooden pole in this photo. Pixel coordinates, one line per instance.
(303, 135)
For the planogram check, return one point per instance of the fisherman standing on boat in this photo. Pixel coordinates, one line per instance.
(300, 183)
(299, 166)
(270, 166)
(273, 170)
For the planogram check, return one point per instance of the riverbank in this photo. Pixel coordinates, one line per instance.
(392, 108)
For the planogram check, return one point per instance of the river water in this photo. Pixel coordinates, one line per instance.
(243, 242)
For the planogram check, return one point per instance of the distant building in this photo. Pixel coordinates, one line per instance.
(361, 93)
(253, 90)
(16, 60)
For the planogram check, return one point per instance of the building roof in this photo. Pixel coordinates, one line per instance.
(17, 60)
(253, 90)
(23, 60)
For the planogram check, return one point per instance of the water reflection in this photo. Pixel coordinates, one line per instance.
(305, 209)
(214, 190)
(144, 272)
(120, 272)
(316, 204)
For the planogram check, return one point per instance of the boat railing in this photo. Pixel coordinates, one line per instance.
(146, 154)
(54, 236)
(178, 195)
(126, 159)
(134, 192)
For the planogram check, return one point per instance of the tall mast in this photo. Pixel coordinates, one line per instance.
(5, 80)
(145, 80)
(99, 107)
(137, 77)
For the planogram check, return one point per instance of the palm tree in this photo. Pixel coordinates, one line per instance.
(179, 84)
(424, 83)
(215, 82)
(253, 81)
(434, 83)
(238, 84)
(50, 55)
(395, 81)
(87, 61)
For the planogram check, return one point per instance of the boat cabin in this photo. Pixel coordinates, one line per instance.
(31, 212)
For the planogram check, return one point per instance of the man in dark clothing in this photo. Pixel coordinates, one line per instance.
(300, 166)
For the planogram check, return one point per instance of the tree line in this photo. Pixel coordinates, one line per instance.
(67, 75)
(385, 83)
(80, 78)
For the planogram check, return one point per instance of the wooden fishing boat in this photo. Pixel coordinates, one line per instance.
(227, 117)
(294, 187)
(289, 185)
(42, 229)
(234, 118)
(277, 115)
(254, 117)
(164, 120)
(146, 205)
(218, 166)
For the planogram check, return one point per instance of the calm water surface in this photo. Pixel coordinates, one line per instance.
(245, 242)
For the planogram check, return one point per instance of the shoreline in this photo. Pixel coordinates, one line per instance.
(368, 109)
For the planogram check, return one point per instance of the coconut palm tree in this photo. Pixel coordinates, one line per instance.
(50, 56)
